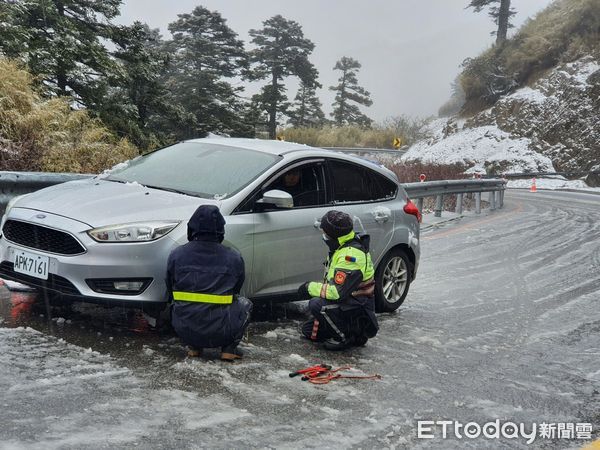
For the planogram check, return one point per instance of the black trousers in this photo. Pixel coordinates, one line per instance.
(202, 325)
(340, 321)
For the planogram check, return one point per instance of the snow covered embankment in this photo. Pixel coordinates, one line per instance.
(552, 125)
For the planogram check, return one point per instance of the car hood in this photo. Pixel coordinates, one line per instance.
(100, 202)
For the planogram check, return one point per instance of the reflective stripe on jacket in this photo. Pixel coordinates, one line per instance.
(202, 298)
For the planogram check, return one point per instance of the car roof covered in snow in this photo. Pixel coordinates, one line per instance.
(261, 145)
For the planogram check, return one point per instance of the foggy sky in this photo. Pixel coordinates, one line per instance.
(410, 50)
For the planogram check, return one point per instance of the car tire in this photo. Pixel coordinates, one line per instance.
(392, 280)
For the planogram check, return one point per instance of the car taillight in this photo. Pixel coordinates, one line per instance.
(411, 208)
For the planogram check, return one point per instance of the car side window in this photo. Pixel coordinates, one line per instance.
(354, 183)
(303, 183)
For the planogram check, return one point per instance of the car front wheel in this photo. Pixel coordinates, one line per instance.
(392, 280)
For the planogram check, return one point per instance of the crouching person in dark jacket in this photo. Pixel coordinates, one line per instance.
(342, 305)
(204, 278)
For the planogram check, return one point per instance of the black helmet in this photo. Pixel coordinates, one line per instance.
(336, 224)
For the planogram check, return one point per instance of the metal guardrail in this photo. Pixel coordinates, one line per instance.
(439, 189)
(13, 184)
(386, 151)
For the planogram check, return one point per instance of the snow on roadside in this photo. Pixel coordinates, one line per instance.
(550, 183)
(478, 147)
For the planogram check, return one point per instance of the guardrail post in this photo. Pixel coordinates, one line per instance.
(478, 203)
(492, 200)
(501, 198)
(438, 205)
(459, 203)
(420, 204)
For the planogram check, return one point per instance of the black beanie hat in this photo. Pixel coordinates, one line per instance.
(336, 223)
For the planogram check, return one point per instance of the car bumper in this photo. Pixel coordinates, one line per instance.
(71, 275)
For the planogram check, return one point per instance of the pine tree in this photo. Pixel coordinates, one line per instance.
(281, 51)
(137, 102)
(501, 15)
(61, 40)
(206, 52)
(307, 110)
(349, 93)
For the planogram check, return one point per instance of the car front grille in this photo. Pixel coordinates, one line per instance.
(42, 238)
(54, 282)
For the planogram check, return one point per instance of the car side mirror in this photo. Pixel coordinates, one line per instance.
(276, 198)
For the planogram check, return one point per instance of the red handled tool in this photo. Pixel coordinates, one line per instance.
(313, 370)
(323, 374)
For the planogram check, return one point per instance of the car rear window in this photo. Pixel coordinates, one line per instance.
(201, 169)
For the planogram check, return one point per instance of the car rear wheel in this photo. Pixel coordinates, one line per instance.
(392, 280)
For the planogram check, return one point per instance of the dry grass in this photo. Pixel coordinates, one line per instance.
(37, 134)
(409, 130)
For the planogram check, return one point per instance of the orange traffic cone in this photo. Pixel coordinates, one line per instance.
(533, 186)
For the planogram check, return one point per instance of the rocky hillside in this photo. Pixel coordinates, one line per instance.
(551, 125)
(530, 104)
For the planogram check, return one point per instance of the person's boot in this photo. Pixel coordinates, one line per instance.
(194, 352)
(360, 340)
(310, 330)
(231, 353)
(335, 346)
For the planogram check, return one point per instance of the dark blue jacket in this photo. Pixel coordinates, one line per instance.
(205, 266)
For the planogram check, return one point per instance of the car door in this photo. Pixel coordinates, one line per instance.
(288, 248)
(368, 197)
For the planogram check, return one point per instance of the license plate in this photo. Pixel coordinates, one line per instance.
(31, 264)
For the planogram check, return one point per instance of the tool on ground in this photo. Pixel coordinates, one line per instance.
(323, 374)
(313, 370)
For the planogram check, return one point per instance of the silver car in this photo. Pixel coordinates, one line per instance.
(106, 239)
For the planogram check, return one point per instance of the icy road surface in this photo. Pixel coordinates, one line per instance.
(502, 323)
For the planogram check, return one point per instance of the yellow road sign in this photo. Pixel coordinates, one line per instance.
(397, 142)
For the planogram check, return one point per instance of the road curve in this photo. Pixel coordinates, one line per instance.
(501, 323)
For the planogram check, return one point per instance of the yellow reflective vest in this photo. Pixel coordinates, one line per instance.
(348, 272)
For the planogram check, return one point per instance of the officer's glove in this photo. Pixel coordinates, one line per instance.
(303, 291)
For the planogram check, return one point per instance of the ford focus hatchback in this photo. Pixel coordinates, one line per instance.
(107, 239)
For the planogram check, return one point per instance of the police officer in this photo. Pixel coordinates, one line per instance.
(342, 306)
(204, 278)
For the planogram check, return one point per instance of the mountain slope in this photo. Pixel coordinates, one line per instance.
(554, 124)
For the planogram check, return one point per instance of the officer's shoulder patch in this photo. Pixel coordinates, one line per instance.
(340, 277)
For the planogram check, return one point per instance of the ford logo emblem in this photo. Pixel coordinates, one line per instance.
(40, 216)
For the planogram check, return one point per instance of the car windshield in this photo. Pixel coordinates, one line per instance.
(200, 169)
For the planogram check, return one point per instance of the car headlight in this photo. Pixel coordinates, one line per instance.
(12, 202)
(133, 232)
(9, 206)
